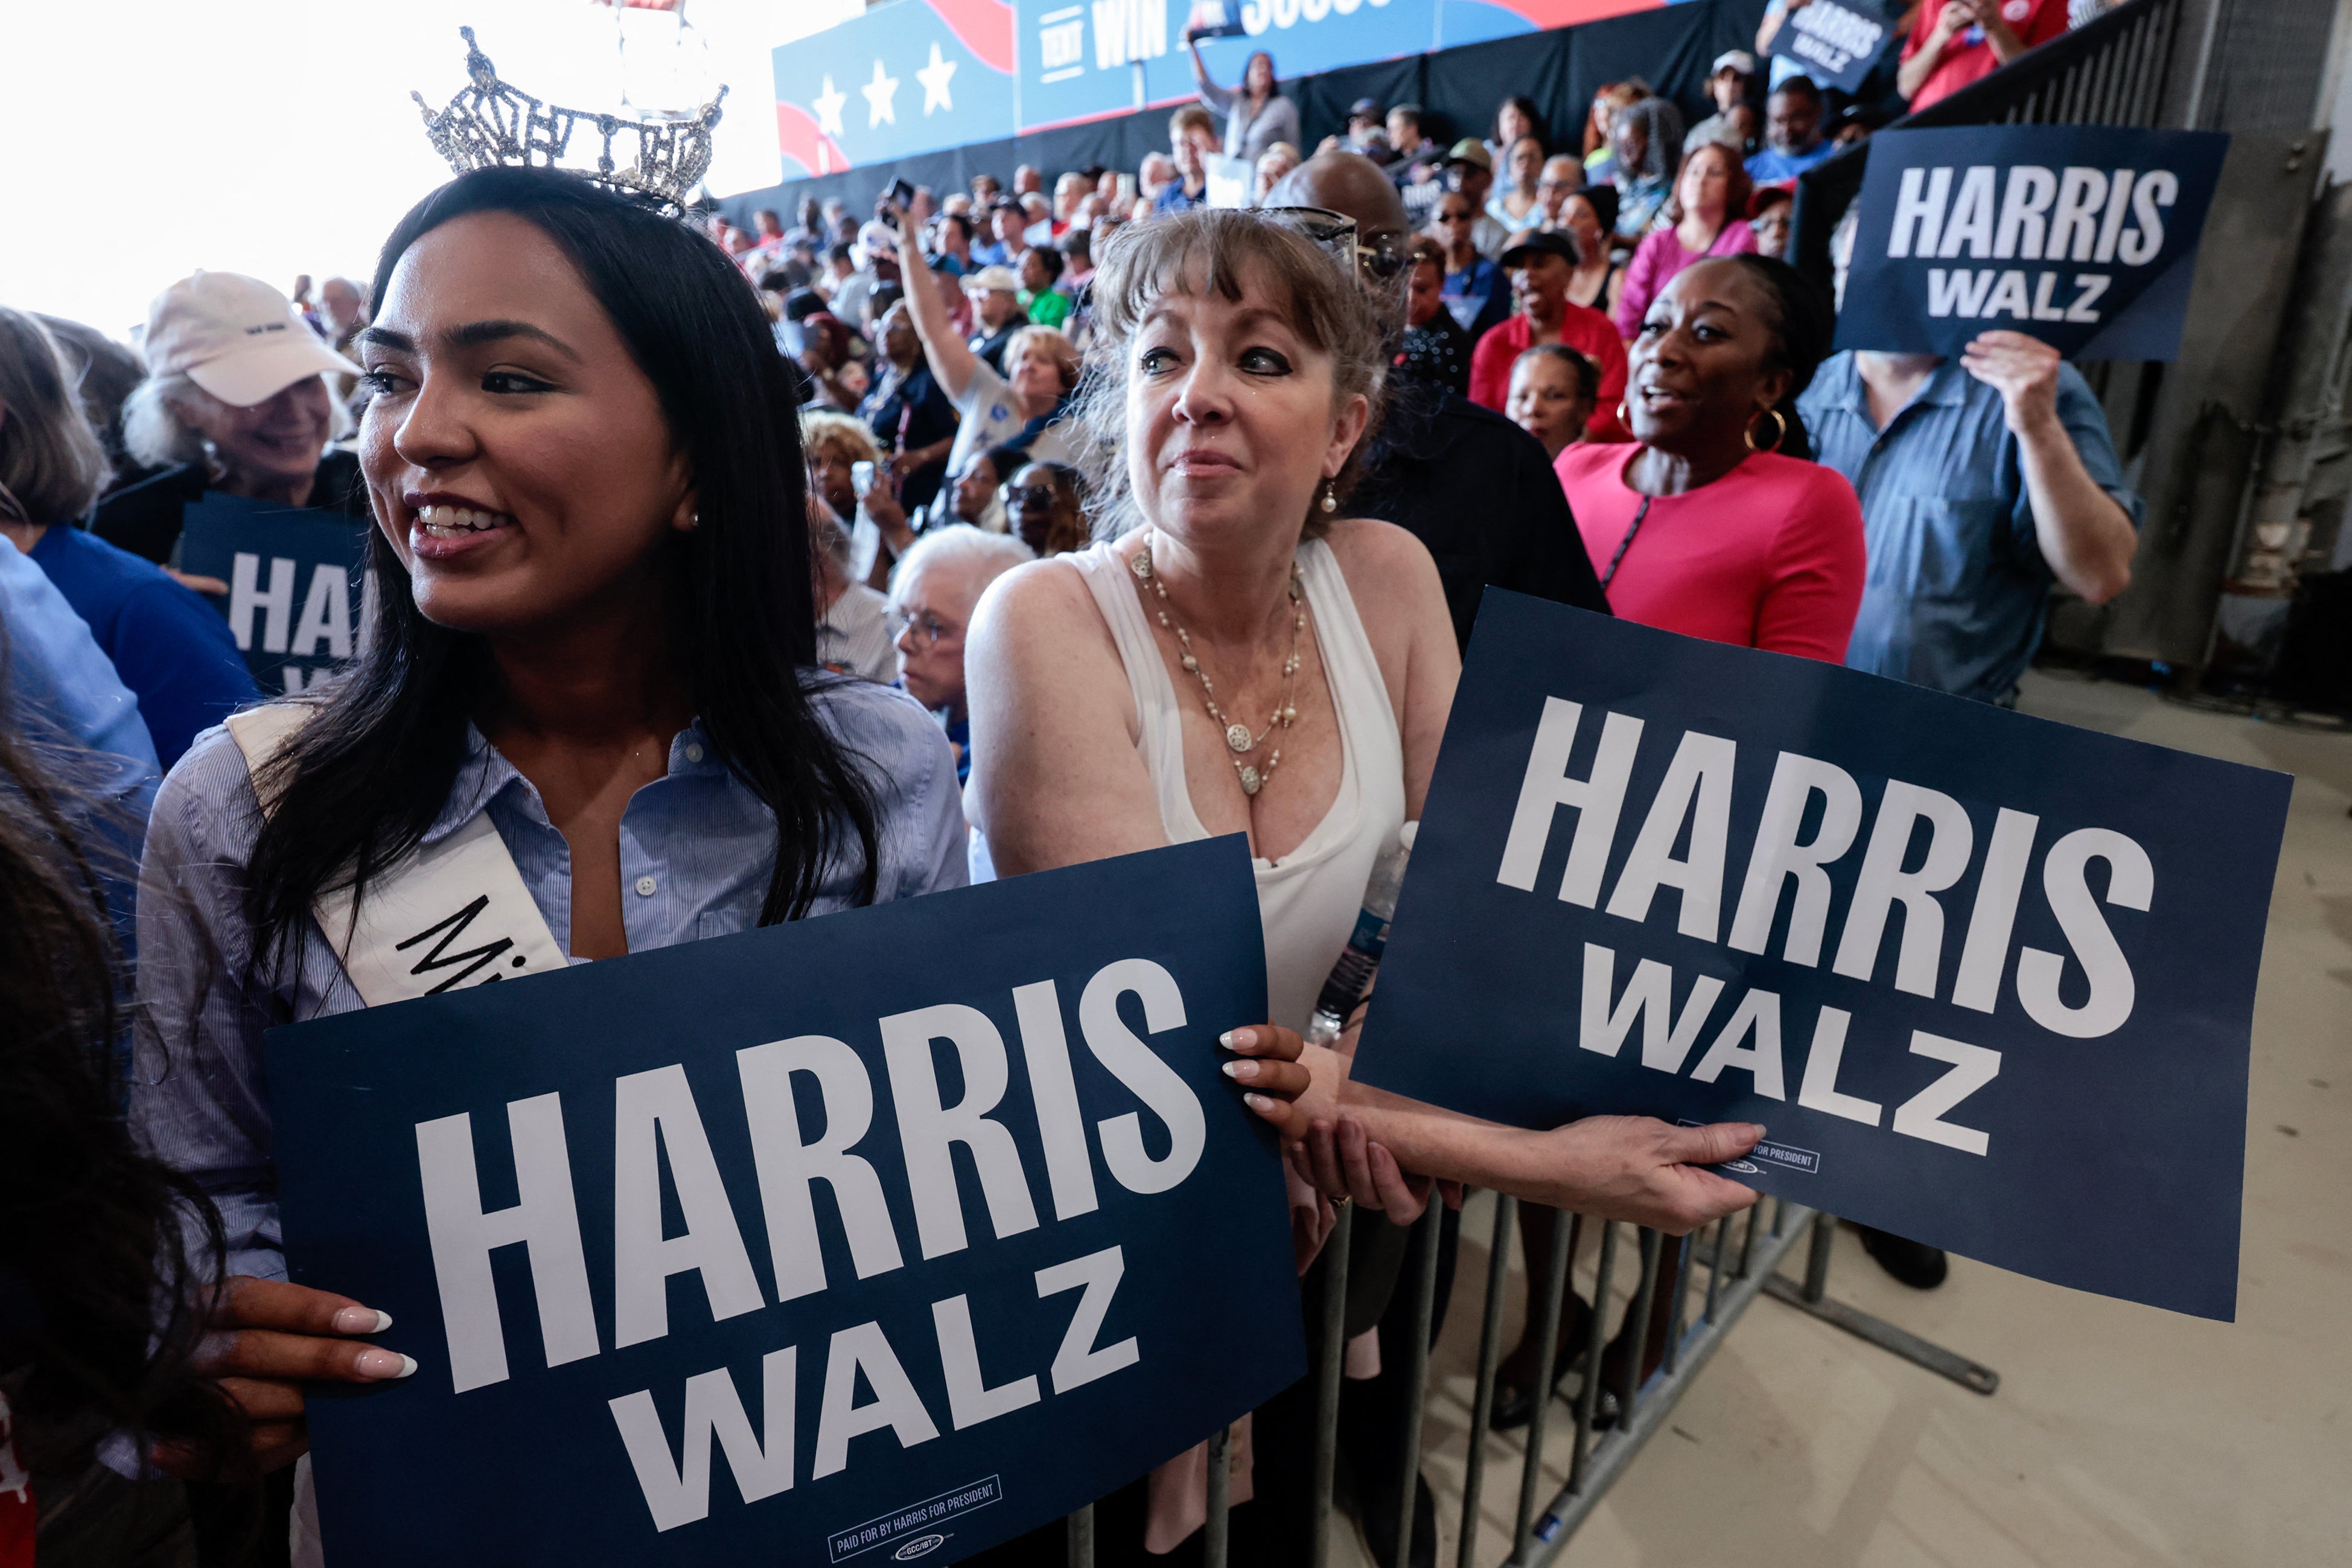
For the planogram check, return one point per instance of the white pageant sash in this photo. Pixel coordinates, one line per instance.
(453, 914)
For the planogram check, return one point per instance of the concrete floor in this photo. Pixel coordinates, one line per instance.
(2121, 1435)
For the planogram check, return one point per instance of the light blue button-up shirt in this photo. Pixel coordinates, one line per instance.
(1957, 584)
(57, 687)
(697, 851)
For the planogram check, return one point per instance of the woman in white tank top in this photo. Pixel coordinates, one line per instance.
(1308, 899)
(1242, 658)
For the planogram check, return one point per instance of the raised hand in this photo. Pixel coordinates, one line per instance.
(2024, 369)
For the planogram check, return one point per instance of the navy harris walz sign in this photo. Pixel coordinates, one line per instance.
(1986, 980)
(2084, 237)
(295, 579)
(1835, 42)
(883, 1236)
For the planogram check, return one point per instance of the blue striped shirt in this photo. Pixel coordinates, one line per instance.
(697, 851)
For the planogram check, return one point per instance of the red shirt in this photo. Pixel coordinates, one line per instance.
(2034, 21)
(17, 1514)
(1583, 328)
(1769, 556)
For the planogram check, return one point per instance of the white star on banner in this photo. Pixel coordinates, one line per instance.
(878, 94)
(827, 105)
(934, 77)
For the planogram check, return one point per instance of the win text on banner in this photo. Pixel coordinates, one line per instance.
(802, 1244)
(1987, 980)
(2084, 237)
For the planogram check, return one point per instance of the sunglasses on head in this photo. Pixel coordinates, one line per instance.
(1382, 258)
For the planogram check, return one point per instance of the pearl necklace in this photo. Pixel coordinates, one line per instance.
(1237, 734)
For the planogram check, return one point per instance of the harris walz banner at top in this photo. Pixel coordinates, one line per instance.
(1835, 42)
(2084, 237)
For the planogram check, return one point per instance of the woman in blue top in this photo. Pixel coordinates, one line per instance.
(594, 630)
(170, 648)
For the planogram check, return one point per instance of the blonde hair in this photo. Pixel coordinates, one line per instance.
(51, 464)
(1218, 249)
(824, 430)
(1050, 341)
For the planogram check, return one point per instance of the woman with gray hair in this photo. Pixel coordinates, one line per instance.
(1646, 148)
(938, 585)
(171, 649)
(234, 401)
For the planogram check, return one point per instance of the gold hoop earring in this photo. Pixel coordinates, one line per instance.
(1624, 415)
(1330, 495)
(1779, 432)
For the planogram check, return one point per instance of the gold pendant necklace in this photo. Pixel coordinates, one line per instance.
(1237, 734)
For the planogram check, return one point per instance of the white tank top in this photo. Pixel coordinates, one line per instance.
(1309, 902)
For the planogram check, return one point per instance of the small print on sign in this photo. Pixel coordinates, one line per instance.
(925, 1516)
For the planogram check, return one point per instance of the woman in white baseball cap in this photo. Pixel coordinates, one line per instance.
(234, 400)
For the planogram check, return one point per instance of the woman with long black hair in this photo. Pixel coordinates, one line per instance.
(594, 633)
(93, 1233)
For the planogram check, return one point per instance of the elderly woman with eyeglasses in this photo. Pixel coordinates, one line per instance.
(938, 583)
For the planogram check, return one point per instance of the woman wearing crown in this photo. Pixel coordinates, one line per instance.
(588, 694)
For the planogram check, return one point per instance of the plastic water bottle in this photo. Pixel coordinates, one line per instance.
(1351, 977)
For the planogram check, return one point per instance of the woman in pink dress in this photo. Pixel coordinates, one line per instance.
(1717, 525)
(1704, 216)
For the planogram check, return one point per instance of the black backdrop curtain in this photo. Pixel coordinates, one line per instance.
(1460, 89)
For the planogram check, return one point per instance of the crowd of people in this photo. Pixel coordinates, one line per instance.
(1002, 515)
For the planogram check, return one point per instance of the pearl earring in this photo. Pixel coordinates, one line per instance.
(1330, 495)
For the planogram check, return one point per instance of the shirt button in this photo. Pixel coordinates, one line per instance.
(646, 887)
(694, 753)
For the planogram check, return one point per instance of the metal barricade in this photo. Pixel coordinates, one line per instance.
(1690, 1291)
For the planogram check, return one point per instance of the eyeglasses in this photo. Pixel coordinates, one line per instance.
(925, 630)
(1457, 218)
(1030, 495)
(1384, 257)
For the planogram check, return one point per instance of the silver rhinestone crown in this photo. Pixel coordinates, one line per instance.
(492, 123)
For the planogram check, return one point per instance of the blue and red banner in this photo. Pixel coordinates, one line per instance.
(923, 76)
(916, 76)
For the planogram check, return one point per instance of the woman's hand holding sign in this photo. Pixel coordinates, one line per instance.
(1356, 1142)
(268, 1339)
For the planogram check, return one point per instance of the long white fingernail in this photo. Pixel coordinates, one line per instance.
(382, 1320)
(380, 1363)
(1257, 1102)
(1226, 1039)
(1239, 1069)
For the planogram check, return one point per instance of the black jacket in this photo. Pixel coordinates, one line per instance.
(144, 518)
(1477, 490)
